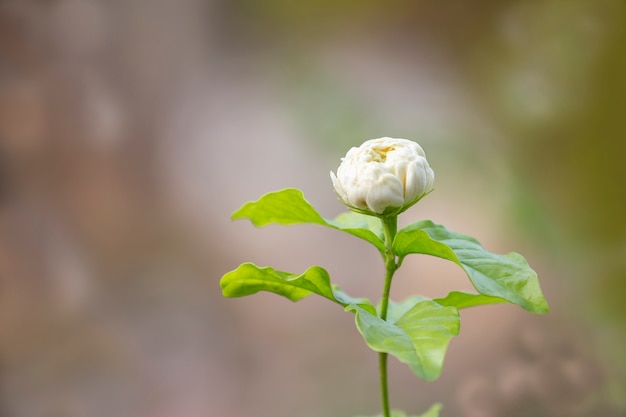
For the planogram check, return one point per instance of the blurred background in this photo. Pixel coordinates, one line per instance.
(131, 130)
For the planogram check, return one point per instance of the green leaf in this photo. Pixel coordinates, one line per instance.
(462, 300)
(505, 276)
(249, 279)
(289, 206)
(433, 411)
(397, 310)
(345, 300)
(285, 207)
(417, 333)
(351, 220)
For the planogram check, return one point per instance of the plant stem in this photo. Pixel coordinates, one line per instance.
(382, 367)
(390, 227)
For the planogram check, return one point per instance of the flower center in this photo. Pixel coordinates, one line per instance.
(380, 154)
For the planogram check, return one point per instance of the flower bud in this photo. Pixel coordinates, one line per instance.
(383, 176)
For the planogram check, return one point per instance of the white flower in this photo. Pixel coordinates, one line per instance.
(383, 176)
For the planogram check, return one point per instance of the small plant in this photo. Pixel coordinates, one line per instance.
(378, 181)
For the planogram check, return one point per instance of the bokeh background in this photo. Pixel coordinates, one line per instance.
(130, 130)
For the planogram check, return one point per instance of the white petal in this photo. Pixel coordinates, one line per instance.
(386, 192)
(414, 184)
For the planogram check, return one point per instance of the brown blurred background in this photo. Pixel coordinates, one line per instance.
(130, 130)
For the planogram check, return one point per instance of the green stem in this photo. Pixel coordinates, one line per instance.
(382, 367)
(390, 227)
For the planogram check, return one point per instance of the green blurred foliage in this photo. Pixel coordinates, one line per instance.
(555, 84)
(543, 83)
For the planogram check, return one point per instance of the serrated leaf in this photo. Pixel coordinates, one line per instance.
(289, 206)
(249, 279)
(417, 334)
(462, 300)
(505, 276)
